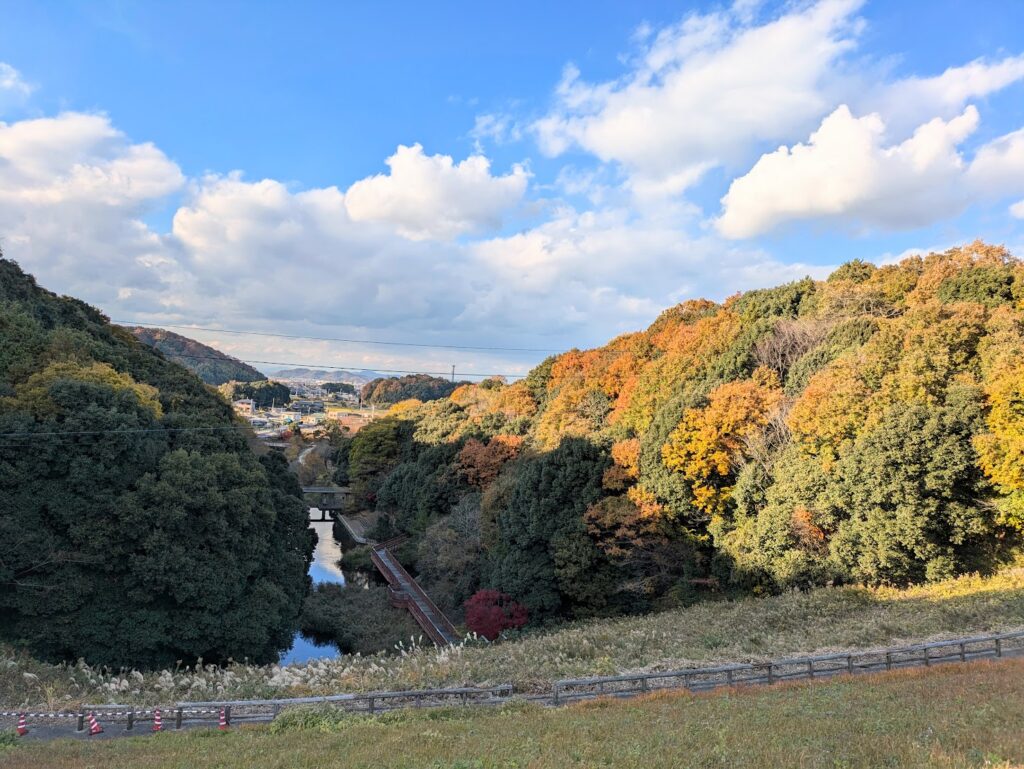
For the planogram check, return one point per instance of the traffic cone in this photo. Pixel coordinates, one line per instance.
(94, 726)
(158, 723)
(223, 725)
(22, 728)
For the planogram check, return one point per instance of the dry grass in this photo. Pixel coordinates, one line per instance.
(747, 630)
(950, 717)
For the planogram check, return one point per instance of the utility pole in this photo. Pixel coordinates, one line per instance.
(453, 373)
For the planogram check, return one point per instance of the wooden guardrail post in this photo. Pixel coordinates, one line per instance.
(927, 658)
(999, 647)
(370, 703)
(131, 720)
(81, 722)
(963, 652)
(771, 675)
(810, 668)
(556, 691)
(888, 660)
(227, 715)
(849, 664)
(177, 718)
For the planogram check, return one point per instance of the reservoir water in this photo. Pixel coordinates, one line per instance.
(324, 568)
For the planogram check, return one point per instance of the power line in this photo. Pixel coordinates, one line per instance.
(338, 368)
(339, 339)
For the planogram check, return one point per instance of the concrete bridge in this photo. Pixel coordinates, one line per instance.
(329, 500)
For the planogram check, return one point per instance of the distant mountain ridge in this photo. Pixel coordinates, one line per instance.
(210, 364)
(357, 378)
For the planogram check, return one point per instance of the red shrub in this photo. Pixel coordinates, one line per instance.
(489, 612)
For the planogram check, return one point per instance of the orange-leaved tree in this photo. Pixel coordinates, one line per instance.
(709, 442)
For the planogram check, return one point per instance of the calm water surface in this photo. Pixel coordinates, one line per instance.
(324, 568)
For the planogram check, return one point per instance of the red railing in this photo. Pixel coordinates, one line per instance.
(438, 628)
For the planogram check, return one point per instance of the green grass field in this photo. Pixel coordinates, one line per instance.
(752, 629)
(951, 716)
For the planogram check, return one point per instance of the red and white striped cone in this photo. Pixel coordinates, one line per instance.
(223, 725)
(94, 725)
(158, 723)
(22, 727)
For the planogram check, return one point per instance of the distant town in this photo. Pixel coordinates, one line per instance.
(314, 404)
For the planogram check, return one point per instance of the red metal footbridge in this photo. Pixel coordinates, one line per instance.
(404, 592)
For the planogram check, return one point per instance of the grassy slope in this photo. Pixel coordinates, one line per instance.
(945, 717)
(749, 629)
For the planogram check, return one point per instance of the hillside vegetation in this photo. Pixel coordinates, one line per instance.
(862, 429)
(711, 632)
(208, 363)
(137, 527)
(264, 394)
(385, 391)
(952, 717)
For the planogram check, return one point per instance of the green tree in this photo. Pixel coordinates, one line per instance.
(544, 556)
(137, 528)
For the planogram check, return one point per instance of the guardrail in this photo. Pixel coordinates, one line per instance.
(702, 679)
(183, 714)
(958, 650)
(369, 703)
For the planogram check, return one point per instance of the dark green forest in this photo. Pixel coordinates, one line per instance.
(385, 391)
(209, 364)
(137, 526)
(867, 428)
(264, 394)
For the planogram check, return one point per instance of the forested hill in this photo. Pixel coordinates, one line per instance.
(212, 366)
(385, 391)
(137, 527)
(864, 428)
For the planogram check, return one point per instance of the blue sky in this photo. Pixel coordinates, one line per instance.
(565, 175)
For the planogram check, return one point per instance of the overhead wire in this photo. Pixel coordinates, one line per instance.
(338, 368)
(476, 348)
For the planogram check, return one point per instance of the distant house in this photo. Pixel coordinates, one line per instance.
(307, 406)
(245, 407)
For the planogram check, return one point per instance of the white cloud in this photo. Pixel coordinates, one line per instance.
(433, 197)
(73, 190)
(80, 157)
(846, 172)
(610, 269)
(259, 254)
(12, 81)
(501, 128)
(299, 255)
(1017, 210)
(998, 167)
(703, 92)
(908, 102)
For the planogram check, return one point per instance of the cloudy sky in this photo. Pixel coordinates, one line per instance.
(491, 175)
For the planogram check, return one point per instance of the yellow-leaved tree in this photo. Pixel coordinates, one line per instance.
(709, 442)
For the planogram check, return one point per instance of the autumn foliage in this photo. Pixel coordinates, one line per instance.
(480, 463)
(489, 612)
(865, 428)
